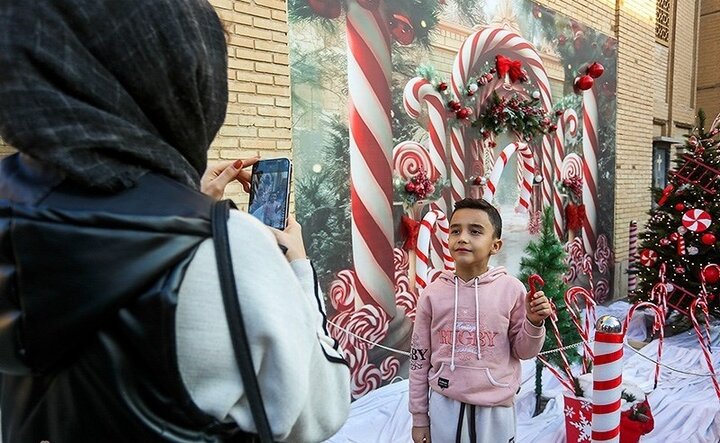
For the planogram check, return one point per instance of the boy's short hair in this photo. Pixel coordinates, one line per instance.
(481, 205)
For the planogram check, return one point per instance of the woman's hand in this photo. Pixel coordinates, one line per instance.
(218, 175)
(291, 238)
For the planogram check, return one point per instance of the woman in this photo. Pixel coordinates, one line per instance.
(113, 326)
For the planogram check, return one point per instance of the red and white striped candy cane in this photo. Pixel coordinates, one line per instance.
(568, 122)
(371, 143)
(704, 339)
(420, 90)
(679, 242)
(607, 380)
(435, 223)
(632, 256)
(457, 163)
(658, 326)
(526, 162)
(573, 308)
(591, 149)
(483, 46)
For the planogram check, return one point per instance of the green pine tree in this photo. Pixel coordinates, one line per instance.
(546, 257)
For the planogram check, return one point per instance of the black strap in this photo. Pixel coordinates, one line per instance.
(220, 214)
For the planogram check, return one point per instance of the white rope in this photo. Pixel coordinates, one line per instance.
(397, 351)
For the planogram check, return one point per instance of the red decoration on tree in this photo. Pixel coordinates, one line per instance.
(695, 172)
(326, 8)
(708, 239)
(409, 229)
(584, 82)
(455, 106)
(513, 69)
(679, 207)
(665, 194)
(463, 113)
(711, 273)
(370, 5)
(696, 220)
(442, 86)
(648, 257)
(410, 187)
(401, 29)
(595, 70)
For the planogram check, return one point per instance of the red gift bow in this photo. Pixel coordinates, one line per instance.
(631, 430)
(410, 229)
(513, 68)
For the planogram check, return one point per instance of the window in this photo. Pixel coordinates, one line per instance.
(662, 21)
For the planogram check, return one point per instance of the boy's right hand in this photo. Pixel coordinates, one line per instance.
(421, 434)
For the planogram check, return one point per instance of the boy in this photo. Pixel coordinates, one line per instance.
(472, 327)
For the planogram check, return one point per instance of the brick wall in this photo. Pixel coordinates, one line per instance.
(708, 72)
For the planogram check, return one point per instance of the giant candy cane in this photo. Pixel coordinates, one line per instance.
(526, 162)
(369, 70)
(568, 122)
(590, 171)
(434, 223)
(607, 380)
(484, 45)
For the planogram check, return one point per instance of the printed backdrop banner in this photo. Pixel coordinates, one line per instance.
(400, 108)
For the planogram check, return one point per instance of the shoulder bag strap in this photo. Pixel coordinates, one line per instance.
(220, 214)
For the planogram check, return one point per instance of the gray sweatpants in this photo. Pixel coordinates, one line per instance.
(453, 421)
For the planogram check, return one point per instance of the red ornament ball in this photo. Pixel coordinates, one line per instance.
(442, 86)
(584, 82)
(326, 8)
(679, 207)
(708, 239)
(463, 113)
(410, 187)
(455, 106)
(595, 70)
(401, 29)
(711, 273)
(648, 257)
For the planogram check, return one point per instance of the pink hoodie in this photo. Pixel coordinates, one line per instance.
(468, 340)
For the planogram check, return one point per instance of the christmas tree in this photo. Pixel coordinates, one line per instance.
(680, 235)
(546, 257)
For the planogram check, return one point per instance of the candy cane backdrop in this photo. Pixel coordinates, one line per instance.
(369, 70)
(484, 45)
(434, 223)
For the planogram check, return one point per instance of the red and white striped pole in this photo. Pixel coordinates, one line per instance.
(607, 379)
(591, 149)
(568, 122)
(371, 144)
(632, 256)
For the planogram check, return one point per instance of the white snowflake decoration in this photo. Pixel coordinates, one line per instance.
(569, 412)
(586, 405)
(584, 427)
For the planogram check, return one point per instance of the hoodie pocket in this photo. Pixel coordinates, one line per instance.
(465, 378)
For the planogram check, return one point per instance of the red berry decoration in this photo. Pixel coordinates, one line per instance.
(679, 207)
(442, 86)
(711, 273)
(455, 106)
(584, 82)
(401, 29)
(370, 5)
(326, 8)
(708, 239)
(410, 187)
(595, 70)
(463, 113)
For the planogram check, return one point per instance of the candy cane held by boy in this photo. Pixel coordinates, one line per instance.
(526, 162)
(704, 339)
(417, 91)
(434, 223)
(658, 323)
(485, 44)
(571, 301)
(371, 194)
(568, 122)
(607, 379)
(591, 149)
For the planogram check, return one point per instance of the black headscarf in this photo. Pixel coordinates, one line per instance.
(107, 90)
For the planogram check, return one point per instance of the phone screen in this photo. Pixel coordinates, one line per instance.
(269, 192)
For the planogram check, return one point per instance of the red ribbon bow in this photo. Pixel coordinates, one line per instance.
(513, 68)
(409, 229)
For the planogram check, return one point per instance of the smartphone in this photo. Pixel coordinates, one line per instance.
(270, 191)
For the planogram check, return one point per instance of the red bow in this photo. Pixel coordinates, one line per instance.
(574, 215)
(513, 68)
(409, 229)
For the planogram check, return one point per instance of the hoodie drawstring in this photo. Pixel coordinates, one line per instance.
(477, 319)
(452, 356)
